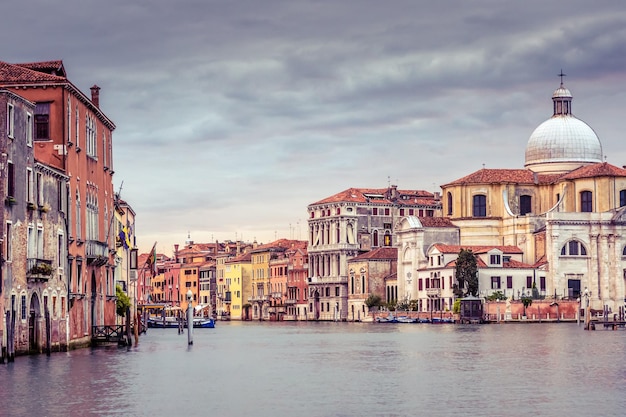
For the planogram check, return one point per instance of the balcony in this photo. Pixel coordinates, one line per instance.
(433, 292)
(97, 253)
(38, 270)
(291, 301)
(327, 280)
(258, 298)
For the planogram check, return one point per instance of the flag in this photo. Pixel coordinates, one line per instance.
(151, 261)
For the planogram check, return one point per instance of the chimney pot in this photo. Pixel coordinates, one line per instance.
(95, 95)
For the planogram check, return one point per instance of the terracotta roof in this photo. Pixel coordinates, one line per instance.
(512, 264)
(436, 222)
(246, 257)
(50, 67)
(380, 195)
(477, 249)
(378, 253)
(281, 244)
(601, 169)
(16, 74)
(497, 176)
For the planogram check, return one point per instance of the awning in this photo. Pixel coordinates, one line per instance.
(201, 307)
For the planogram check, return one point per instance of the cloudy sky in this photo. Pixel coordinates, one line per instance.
(233, 115)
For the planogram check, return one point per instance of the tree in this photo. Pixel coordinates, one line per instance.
(466, 272)
(497, 295)
(122, 303)
(373, 301)
(527, 301)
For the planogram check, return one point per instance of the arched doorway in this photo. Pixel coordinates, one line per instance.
(34, 330)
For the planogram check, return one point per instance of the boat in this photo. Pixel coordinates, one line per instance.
(406, 319)
(172, 322)
(389, 319)
(437, 320)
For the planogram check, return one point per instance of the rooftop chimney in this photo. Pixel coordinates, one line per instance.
(95, 95)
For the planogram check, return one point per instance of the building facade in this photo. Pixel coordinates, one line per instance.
(346, 224)
(74, 136)
(565, 210)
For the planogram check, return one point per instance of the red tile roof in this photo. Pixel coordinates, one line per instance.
(50, 67)
(601, 169)
(378, 253)
(381, 196)
(526, 176)
(436, 222)
(11, 74)
(497, 176)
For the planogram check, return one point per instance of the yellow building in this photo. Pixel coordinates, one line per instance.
(236, 286)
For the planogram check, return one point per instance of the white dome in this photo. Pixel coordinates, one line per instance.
(563, 142)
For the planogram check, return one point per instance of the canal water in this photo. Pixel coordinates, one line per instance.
(331, 369)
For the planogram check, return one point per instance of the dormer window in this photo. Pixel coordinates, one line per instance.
(495, 260)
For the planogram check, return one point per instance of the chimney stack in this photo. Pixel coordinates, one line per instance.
(95, 95)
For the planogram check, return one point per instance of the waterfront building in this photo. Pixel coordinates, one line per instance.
(565, 210)
(348, 223)
(206, 294)
(415, 237)
(33, 281)
(125, 273)
(296, 300)
(372, 272)
(164, 283)
(73, 135)
(236, 287)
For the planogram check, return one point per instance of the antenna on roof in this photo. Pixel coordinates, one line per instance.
(562, 75)
(388, 181)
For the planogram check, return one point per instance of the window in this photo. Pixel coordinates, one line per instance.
(420, 286)
(542, 283)
(525, 205)
(29, 129)
(449, 203)
(624, 251)
(529, 282)
(30, 194)
(386, 212)
(8, 242)
(573, 248)
(495, 283)
(387, 239)
(402, 212)
(23, 302)
(622, 198)
(494, 259)
(586, 202)
(375, 211)
(336, 291)
(375, 238)
(10, 179)
(509, 282)
(10, 120)
(42, 121)
(479, 205)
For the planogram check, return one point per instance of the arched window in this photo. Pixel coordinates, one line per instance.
(387, 238)
(622, 198)
(375, 238)
(479, 208)
(586, 202)
(573, 248)
(449, 203)
(525, 205)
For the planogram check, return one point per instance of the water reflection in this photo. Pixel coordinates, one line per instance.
(331, 369)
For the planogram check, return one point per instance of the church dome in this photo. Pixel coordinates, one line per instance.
(563, 142)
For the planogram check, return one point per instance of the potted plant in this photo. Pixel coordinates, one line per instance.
(10, 200)
(41, 268)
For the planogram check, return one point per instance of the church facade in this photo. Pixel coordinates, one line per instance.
(565, 210)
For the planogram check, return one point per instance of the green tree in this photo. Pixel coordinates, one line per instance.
(527, 302)
(466, 273)
(373, 301)
(497, 295)
(122, 303)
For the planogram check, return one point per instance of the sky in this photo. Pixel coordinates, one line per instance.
(234, 115)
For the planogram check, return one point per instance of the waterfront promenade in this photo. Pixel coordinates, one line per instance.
(331, 369)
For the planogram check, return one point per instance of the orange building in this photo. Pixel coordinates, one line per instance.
(73, 135)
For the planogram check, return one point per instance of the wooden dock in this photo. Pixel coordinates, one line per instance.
(109, 334)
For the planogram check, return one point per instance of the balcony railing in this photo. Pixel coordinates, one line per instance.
(433, 292)
(39, 269)
(327, 280)
(97, 253)
(258, 298)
